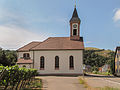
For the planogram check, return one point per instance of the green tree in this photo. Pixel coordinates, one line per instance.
(3, 59)
(7, 57)
(92, 58)
(111, 61)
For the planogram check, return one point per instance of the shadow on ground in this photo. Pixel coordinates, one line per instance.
(104, 76)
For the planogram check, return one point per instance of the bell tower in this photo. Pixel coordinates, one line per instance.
(75, 26)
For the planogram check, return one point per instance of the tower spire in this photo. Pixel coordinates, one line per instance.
(75, 25)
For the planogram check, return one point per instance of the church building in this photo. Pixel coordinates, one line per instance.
(56, 55)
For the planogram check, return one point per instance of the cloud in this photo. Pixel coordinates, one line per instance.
(16, 18)
(12, 37)
(88, 42)
(116, 15)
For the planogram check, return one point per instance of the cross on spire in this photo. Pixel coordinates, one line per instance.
(75, 3)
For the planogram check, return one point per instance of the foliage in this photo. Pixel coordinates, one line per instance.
(93, 59)
(83, 81)
(36, 83)
(94, 68)
(101, 73)
(111, 62)
(8, 58)
(98, 57)
(15, 77)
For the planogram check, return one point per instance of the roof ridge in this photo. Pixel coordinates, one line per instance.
(35, 45)
(40, 43)
(59, 43)
(58, 37)
(25, 45)
(35, 41)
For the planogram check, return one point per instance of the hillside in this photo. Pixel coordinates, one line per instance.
(98, 51)
(96, 58)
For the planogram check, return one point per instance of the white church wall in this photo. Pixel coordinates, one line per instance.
(26, 65)
(63, 61)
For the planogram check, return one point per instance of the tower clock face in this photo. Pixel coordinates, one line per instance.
(75, 25)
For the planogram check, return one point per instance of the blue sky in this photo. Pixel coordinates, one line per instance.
(23, 21)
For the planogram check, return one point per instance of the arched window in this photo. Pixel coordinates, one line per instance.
(24, 66)
(71, 62)
(74, 31)
(42, 62)
(56, 62)
(26, 56)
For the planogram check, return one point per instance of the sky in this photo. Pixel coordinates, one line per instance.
(23, 21)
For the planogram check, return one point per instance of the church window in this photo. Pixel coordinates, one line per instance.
(56, 62)
(74, 31)
(26, 56)
(42, 62)
(71, 62)
(24, 66)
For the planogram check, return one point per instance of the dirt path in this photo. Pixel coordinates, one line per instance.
(61, 83)
(101, 81)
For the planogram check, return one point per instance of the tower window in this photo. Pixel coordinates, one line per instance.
(71, 62)
(42, 62)
(57, 62)
(74, 31)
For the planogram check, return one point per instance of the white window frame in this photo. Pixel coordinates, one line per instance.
(74, 28)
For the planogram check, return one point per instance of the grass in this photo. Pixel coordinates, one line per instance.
(102, 73)
(83, 81)
(36, 84)
(101, 52)
(108, 88)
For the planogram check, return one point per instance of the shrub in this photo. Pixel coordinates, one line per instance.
(14, 76)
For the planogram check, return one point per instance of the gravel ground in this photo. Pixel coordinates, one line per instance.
(102, 81)
(61, 83)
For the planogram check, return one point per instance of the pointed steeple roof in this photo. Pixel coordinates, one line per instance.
(75, 17)
(75, 14)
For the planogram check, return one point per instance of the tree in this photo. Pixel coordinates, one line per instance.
(95, 60)
(3, 59)
(7, 57)
(111, 61)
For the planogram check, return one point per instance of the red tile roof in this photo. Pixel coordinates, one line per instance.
(23, 61)
(55, 43)
(28, 46)
(60, 43)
